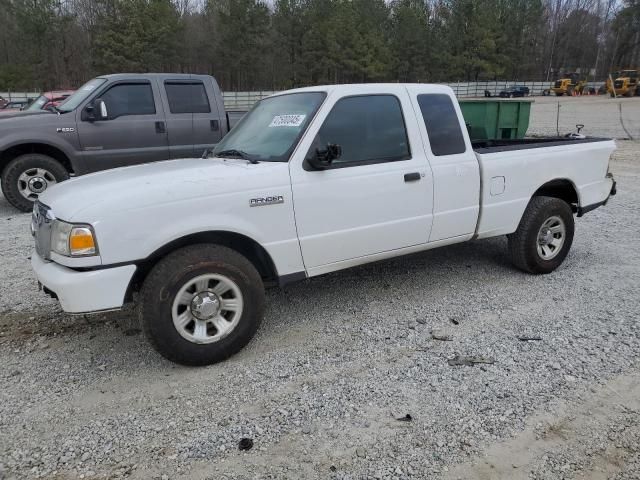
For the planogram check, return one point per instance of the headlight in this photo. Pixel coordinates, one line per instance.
(72, 240)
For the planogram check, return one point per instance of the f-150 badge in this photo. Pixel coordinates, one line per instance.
(259, 202)
(65, 129)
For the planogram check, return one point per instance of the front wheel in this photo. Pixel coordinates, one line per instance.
(201, 304)
(544, 236)
(29, 175)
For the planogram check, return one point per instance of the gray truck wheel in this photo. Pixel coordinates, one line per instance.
(544, 235)
(201, 304)
(27, 176)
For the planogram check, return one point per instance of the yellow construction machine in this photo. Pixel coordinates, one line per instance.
(568, 84)
(626, 83)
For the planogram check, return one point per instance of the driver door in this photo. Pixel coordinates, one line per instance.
(377, 197)
(133, 132)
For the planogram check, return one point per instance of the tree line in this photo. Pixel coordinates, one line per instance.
(278, 44)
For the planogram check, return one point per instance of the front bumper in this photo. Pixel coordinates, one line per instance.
(84, 291)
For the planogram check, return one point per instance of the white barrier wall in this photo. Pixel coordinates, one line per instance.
(461, 89)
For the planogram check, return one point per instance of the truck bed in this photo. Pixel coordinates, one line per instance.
(513, 170)
(494, 146)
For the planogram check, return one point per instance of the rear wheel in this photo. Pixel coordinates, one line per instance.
(28, 176)
(544, 236)
(201, 304)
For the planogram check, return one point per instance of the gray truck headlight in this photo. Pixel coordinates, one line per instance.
(73, 240)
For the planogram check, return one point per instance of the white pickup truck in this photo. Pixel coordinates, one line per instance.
(311, 181)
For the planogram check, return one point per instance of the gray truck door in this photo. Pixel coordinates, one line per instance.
(134, 131)
(192, 116)
(209, 125)
(179, 100)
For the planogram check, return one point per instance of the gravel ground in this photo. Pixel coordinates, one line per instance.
(339, 363)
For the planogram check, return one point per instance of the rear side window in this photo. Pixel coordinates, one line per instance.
(369, 128)
(443, 127)
(187, 97)
(129, 99)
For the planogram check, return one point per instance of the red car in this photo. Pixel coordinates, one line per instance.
(46, 101)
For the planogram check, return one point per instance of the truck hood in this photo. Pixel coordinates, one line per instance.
(92, 197)
(6, 115)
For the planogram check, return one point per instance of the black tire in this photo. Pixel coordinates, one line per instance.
(523, 243)
(27, 163)
(165, 281)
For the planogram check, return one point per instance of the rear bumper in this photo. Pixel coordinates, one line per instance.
(612, 188)
(84, 291)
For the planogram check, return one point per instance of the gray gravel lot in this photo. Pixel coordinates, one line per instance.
(339, 359)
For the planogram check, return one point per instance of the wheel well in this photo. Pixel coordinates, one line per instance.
(242, 244)
(562, 189)
(42, 148)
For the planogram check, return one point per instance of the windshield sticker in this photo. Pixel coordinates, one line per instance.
(88, 88)
(287, 120)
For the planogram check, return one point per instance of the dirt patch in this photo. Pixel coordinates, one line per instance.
(568, 425)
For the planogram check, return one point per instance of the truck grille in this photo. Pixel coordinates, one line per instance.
(618, 83)
(41, 223)
(558, 84)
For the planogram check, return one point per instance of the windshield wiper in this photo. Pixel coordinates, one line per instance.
(233, 153)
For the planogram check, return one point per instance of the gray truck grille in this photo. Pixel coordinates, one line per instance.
(41, 223)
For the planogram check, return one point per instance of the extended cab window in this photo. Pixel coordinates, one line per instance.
(443, 127)
(187, 97)
(368, 128)
(129, 99)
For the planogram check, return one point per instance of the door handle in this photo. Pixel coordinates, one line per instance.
(411, 177)
(160, 128)
(215, 125)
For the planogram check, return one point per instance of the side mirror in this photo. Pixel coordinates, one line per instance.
(100, 109)
(323, 158)
(97, 110)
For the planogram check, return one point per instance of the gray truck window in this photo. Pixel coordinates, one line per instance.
(443, 126)
(187, 97)
(369, 128)
(129, 99)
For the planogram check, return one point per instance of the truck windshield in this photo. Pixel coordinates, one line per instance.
(271, 130)
(80, 95)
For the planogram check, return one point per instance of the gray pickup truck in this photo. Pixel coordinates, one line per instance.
(111, 121)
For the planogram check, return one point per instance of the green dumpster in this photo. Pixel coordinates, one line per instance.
(496, 119)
